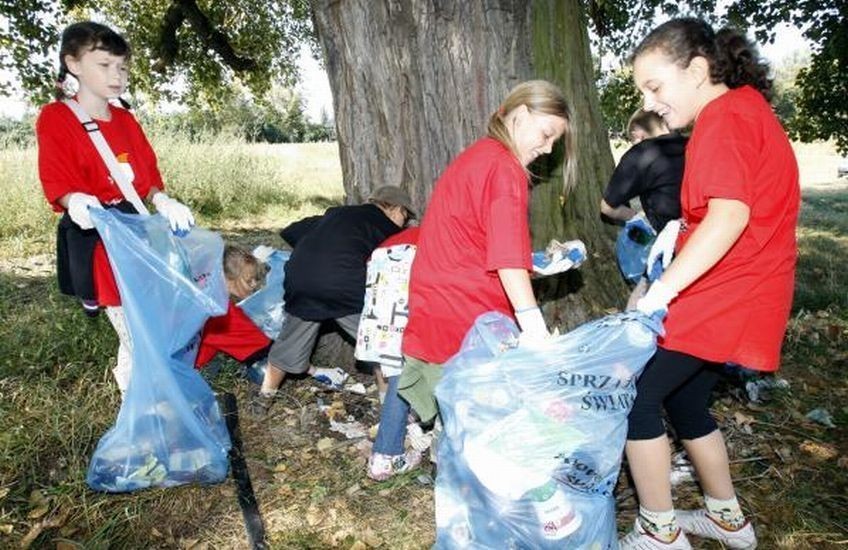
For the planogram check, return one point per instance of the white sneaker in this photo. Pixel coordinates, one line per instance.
(417, 439)
(700, 524)
(332, 377)
(639, 539)
(381, 467)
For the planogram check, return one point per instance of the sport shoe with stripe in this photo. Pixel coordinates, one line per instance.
(701, 524)
(381, 467)
(640, 539)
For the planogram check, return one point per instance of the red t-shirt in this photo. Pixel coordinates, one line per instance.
(737, 311)
(68, 162)
(476, 223)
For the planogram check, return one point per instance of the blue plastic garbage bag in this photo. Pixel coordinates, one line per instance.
(265, 306)
(533, 438)
(633, 246)
(169, 430)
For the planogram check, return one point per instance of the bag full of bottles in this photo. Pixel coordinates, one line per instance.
(170, 429)
(533, 437)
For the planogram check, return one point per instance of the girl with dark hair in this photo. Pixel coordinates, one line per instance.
(75, 177)
(728, 291)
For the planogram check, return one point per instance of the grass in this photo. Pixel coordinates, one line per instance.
(57, 397)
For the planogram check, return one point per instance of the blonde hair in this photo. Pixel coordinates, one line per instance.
(241, 270)
(649, 121)
(543, 97)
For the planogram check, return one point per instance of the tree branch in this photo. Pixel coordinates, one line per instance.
(168, 46)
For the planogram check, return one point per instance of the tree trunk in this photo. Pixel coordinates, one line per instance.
(561, 55)
(414, 82)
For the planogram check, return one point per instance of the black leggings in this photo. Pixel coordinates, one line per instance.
(683, 385)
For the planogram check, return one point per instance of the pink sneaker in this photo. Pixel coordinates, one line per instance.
(639, 539)
(381, 467)
(701, 524)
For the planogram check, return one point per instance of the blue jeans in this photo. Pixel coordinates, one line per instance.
(393, 418)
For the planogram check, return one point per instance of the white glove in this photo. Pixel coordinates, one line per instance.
(559, 257)
(656, 299)
(664, 245)
(178, 215)
(78, 205)
(533, 328)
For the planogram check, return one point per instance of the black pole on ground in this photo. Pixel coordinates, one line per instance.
(246, 498)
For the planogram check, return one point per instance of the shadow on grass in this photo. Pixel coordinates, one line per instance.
(821, 279)
(825, 209)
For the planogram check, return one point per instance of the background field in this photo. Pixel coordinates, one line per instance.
(57, 396)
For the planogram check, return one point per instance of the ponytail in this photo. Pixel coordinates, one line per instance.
(60, 92)
(733, 59)
(738, 63)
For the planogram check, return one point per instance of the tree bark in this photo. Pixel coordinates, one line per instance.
(414, 82)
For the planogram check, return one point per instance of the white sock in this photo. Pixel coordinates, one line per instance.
(662, 525)
(727, 513)
(123, 367)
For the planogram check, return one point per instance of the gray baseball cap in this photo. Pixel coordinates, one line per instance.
(395, 196)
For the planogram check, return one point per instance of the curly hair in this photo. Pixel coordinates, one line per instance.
(733, 59)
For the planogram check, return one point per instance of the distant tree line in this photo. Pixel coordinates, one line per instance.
(277, 118)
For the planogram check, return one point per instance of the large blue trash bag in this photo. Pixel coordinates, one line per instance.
(633, 246)
(169, 430)
(533, 438)
(265, 306)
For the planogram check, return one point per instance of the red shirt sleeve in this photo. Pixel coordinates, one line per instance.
(506, 219)
(58, 160)
(722, 162)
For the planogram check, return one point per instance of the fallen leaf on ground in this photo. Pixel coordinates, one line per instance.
(38, 512)
(819, 451)
(37, 498)
(325, 444)
(785, 453)
(7, 528)
(39, 527)
(370, 538)
(742, 419)
(314, 517)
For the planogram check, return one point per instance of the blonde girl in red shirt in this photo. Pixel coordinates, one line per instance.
(75, 178)
(474, 246)
(728, 291)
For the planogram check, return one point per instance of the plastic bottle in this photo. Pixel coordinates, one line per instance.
(557, 517)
